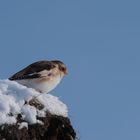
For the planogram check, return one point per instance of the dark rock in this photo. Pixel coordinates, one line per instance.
(54, 128)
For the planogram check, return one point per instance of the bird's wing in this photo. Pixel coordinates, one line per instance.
(33, 71)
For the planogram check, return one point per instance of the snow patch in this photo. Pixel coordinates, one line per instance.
(13, 98)
(23, 125)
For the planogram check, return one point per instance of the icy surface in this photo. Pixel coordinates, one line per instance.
(13, 98)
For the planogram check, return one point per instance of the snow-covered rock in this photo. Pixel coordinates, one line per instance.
(14, 100)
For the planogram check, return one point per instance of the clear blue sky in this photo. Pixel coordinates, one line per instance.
(99, 40)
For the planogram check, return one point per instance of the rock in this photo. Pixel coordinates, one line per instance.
(27, 115)
(53, 127)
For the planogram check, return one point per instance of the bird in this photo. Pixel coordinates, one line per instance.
(43, 76)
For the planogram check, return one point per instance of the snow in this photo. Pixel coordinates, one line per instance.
(23, 125)
(13, 101)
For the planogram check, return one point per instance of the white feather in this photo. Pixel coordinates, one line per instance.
(43, 86)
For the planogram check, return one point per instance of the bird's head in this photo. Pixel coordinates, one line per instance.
(61, 66)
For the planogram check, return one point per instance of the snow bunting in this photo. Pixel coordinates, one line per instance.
(43, 76)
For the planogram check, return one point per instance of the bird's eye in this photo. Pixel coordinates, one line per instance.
(63, 69)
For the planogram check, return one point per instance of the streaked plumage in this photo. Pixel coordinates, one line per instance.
(43, 76)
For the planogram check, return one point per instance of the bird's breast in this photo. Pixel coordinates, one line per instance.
(43, 84)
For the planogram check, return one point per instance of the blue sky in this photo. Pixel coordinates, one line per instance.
(100, 43)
